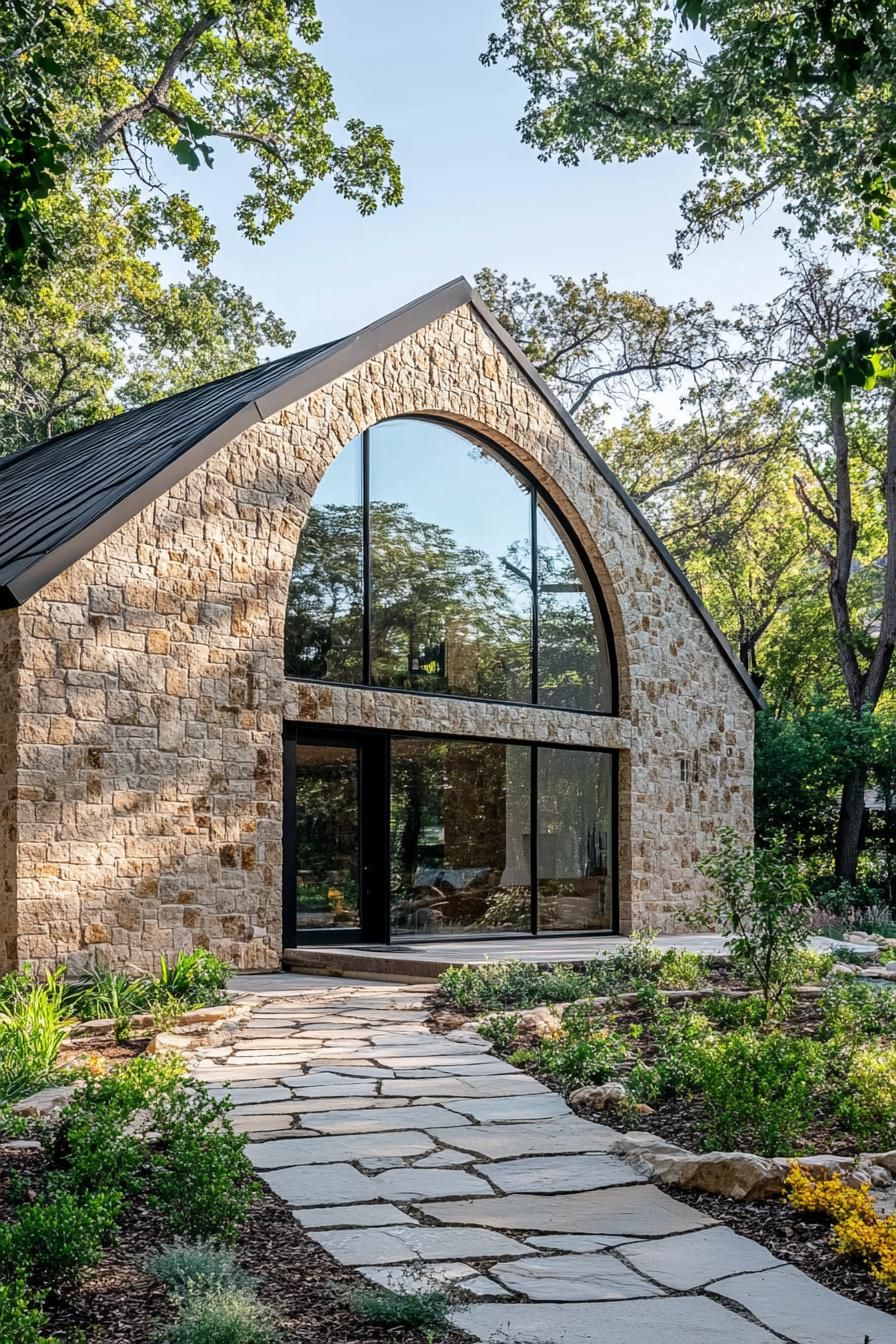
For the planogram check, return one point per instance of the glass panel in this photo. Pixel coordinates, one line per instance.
(325, 608)
(327, 837)
(451, 594)
(575, 814)
(459, 837)
(573, 654)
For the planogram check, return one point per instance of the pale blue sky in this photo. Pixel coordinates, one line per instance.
(474, 195)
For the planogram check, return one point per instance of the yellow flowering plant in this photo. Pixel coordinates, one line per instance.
(858, 1229)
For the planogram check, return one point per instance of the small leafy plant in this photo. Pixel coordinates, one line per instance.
(21, 1319)
(427, 1310)
(762, 904)
(586, 1050)
(57, 1238)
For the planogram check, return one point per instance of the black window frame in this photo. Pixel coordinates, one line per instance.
(553, 514)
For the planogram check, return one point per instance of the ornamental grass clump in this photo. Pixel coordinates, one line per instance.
(34, 1019)
(858, 1229)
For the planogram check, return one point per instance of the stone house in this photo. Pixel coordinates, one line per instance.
(365, 644)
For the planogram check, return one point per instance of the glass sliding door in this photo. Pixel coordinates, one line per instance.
(459, 837)
(391, 836)
(575, 840)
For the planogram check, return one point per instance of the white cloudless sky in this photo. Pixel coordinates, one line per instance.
(474, 195)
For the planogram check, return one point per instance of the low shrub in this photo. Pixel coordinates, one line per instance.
(680, 969)
(510, 984)
(55, 1239)
(427, 1310)
(859, 1230)
(197, 1267)
(760, 1089)
(811, 967)
(585, 1051)
(195, 979)
(853, 1010)
(21, 1319)
(222, 1316)
(198, 1152)
(865, 1101)
(726, 1012)
(501, 1029)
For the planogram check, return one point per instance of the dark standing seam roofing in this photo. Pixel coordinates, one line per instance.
(54, 489)
(60, 498)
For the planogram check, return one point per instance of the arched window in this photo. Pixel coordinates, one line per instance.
(429, 562)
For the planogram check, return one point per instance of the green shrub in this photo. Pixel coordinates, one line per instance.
(197, 1267)
(866, 1097)
(680, 969)
(94, 1144)
(812, 967)
(196, 979)
(197, 1152)
(510, 984)
(762, 904)
(425, 1310)
(501, 1029)
(585, 1051)
(853, 1010)
(761, 1090)
(679, 1034)
(222, 1316)
(21, 1321)
(726, 1012)
(32, 1028)
(55, 1239)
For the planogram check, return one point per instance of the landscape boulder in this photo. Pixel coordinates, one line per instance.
(598, 1098)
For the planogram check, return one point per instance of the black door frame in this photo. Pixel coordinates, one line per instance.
(373, 833)
(374, 787)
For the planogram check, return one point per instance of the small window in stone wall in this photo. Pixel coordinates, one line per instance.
(431, 563)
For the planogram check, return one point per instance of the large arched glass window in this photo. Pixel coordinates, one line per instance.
(429, 563)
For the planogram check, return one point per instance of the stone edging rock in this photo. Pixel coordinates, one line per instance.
(744, 1176)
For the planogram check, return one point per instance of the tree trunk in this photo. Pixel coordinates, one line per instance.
(849, 825)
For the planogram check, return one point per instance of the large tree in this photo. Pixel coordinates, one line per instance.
(98, 104)
(793, 100)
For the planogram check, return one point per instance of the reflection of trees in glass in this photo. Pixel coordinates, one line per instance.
(325, 607)
(327, 829)
(438, 604)
(568, 649)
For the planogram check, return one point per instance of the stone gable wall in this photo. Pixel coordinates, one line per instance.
(152, 694)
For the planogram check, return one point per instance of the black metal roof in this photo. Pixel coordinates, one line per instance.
(60, 498)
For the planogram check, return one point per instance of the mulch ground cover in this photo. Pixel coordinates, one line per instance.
(121, 1303)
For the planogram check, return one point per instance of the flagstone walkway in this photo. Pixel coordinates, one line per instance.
(421, 1158)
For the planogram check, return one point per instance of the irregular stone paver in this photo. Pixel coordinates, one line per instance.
(671, 1320)
(353, 1215)
(390, 1117)
(576, 1242)
(574, 1278)
(410, 1183)
(402, 1279)
(438, 1085)
(638, 1210)
(544, 1175)
(392, 1245)
(788, 1301)
(356, 1109)
(336, 1148)
(538, 1138)
(695, 1258)
(445, 1157)
(511, 1108)
(337, 1183)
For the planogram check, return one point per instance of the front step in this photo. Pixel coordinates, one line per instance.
(365, 964)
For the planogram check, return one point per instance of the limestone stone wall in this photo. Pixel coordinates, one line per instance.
(152, 695)
(9, 680)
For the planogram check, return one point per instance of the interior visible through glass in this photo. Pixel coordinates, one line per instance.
(460, 825)
(573, 653)
(575, 842)
(328, 830)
